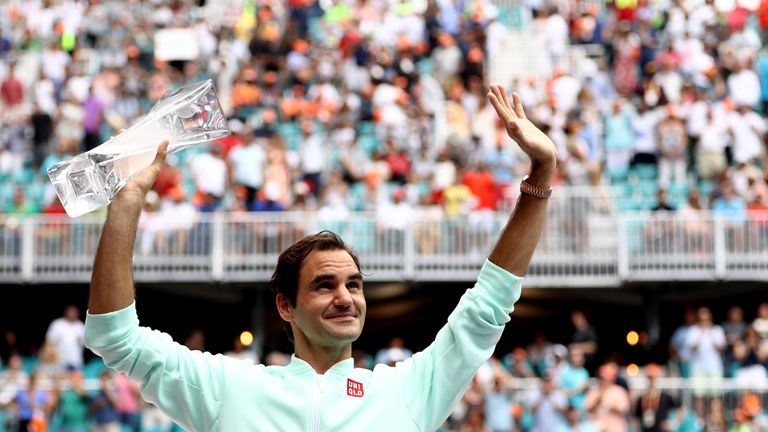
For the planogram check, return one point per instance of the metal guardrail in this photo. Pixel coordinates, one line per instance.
(586, 243)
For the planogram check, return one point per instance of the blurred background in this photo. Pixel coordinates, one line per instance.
(644, 308)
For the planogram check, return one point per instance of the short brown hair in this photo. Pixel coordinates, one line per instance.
(285, 279)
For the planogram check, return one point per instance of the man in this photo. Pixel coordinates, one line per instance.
(66, 334)
(652, 409)
(318, 289)
(548, 406)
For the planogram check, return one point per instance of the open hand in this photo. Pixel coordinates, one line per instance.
(535, 143)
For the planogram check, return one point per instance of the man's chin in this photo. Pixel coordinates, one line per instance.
(346, 334)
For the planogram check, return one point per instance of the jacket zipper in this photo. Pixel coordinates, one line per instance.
(316, 409)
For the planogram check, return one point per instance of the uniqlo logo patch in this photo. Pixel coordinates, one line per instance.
(354, 388)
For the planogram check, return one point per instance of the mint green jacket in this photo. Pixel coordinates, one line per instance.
(205, 392)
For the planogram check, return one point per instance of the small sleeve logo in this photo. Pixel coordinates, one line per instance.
(354, 388)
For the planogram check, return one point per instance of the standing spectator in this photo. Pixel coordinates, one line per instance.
(574, 379)
(548, 406)
(575, 422)
(210, 173)
(673, 140)
(66, 334)
(618, 136)
(744, 85)
(584, 337)
(652, 408)
(92, 121)
(12, 380)
(247, 163)
(760, 324)
(446, 60)
(734, 327)
(608, 403)
(33, 405)
(498, 405)
(313, 156)
(11, 90)
(72, 404)
(710, 150)
(42, 131)
(626, 52)
(706, 342)
(748, 128)
(128, 404)
(644, 126)
(103, 405)
(731, 207)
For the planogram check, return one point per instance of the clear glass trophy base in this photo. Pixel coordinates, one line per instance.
(186, 116)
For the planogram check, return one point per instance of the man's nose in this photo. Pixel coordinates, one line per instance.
(343, 296)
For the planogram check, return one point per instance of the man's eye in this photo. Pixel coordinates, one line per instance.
(353, 285)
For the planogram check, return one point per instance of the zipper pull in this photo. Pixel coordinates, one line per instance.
(321, 383)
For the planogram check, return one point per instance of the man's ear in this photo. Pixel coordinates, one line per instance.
(284, 308)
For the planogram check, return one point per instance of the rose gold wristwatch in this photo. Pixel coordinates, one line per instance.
(532, 190)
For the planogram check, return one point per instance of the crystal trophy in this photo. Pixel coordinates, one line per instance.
(184, 116)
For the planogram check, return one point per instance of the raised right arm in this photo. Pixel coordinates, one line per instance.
(112, 279)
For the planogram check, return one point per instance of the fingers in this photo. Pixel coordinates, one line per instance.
(504, 95)
(518, 106)
(162, 153)
(501, 96)
(501, 111)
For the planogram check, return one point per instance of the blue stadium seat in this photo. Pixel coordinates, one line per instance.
(29, 363)
(368, 143)
(646, 172)
(366, 127)
(93, 368)
(356, 196)
(617, 175)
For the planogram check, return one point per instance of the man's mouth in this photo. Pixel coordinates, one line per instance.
(341, 316)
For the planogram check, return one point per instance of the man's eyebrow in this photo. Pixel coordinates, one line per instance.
(330, 276)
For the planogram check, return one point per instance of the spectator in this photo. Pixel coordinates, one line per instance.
(12, 380)
(584, 337)
(498, 405)
(653, 408)
(72, 404)
(129, 401)
(66, 334)
(103, 405)
(706, 343)
(574, 379)
(548, 406)
(210, 174)
(608, 403)
(760, 323)
(679, 350)
(672, 139)
(247, 163)
(33, 405)
(711, 160)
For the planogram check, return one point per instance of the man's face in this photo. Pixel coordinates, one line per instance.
(330, 307)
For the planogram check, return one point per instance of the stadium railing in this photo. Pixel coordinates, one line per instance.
(586, 242)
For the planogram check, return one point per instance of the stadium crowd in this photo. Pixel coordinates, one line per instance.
(567, 385)
(333, 109)
(333, 106)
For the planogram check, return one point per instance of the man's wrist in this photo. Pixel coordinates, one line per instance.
(542, 174)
